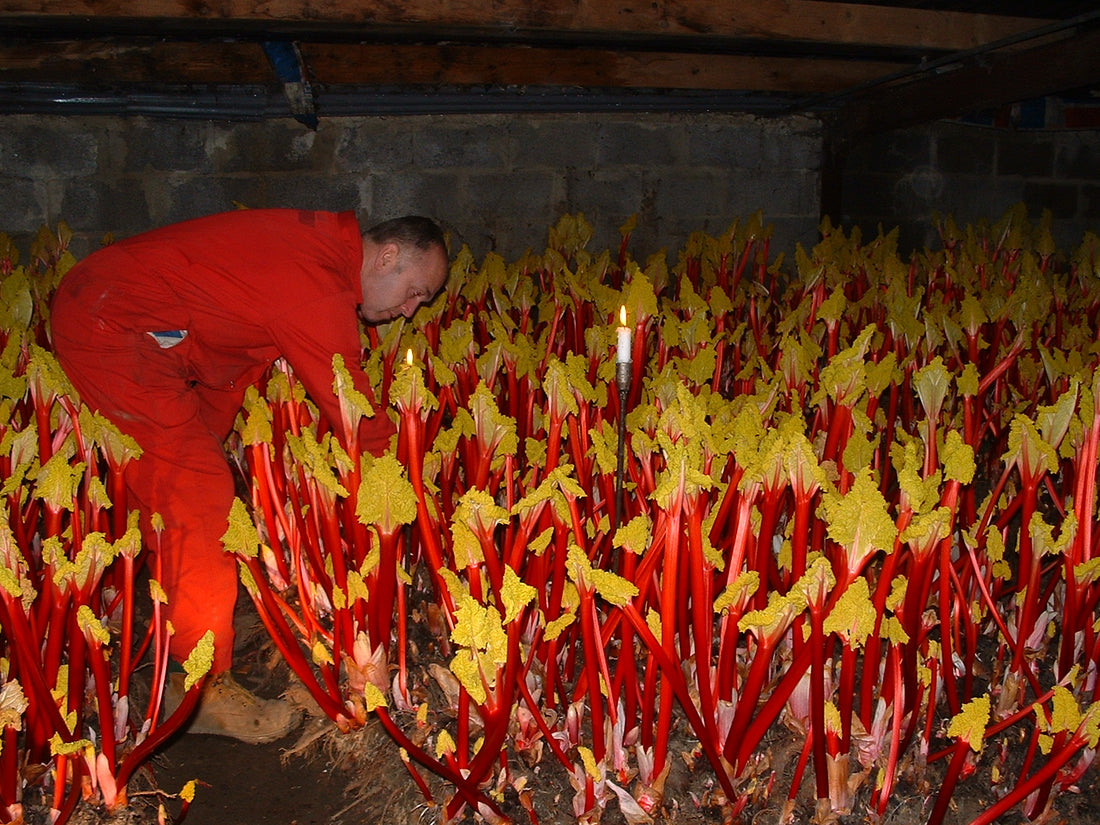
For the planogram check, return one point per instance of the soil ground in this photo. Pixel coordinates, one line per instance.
(318, 775)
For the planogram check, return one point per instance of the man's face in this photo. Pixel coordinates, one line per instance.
(408, 279)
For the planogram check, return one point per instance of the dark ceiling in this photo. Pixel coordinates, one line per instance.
(867, 66)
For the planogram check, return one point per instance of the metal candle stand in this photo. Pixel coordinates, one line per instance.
(624, 371)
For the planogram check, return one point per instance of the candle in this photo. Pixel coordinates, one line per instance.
(622, 352)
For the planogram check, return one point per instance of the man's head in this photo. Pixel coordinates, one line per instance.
(404, 266)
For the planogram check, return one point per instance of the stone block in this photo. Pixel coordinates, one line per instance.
(311, 190)
(967, 152)
(553, 141)
(867, 196)
(694, 195)
(22, 205)
(276, 146)
(482, 144)
(175, 145)
(58, 149)
(1059, 198)
(975, 199)
(508, 213)
(97, 206)
(175, 199)
(1090, 203)
(721, 143)
(788, 232)
(438, 195)
(1025, 156)
(777, 192)
(897, 152)
(1079, 158)
(633, 143)
(375, 145)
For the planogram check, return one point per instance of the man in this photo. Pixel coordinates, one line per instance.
(163, 332)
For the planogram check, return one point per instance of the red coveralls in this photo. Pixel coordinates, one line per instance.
(245, 287)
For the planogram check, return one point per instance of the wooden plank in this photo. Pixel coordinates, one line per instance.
(162, 62)
(586, 68)
(997, 80)
(812, 21)
(108, 62)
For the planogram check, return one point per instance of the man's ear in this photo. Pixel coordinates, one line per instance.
(388, 254)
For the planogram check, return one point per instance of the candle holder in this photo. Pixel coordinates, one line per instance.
(624, 372)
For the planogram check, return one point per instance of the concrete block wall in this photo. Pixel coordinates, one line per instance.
(974, 173)
(496, 182)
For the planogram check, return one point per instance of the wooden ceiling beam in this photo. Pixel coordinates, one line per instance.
(996, 79)
(158, 62)
(809, 21)
(585, 68)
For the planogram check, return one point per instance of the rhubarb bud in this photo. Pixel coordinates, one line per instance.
(932, 384)
(844, 377)
(558, 386)
(926, 530)
(456, 342)
(1028, 450)
(373, 697)
(45, 376)
(496, 432)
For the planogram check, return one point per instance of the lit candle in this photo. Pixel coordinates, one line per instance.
(622, 351)
(409, 357)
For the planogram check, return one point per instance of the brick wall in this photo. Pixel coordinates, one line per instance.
(974, 173)
(497, 182)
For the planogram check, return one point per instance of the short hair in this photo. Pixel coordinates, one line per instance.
(410, 230)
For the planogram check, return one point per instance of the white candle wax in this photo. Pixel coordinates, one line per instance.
(622, 352)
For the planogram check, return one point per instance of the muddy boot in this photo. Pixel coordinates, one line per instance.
(227, 709)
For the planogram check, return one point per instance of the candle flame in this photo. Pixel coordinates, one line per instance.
(622, 315)
(409, 357)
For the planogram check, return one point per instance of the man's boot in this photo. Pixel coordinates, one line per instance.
(227, 709)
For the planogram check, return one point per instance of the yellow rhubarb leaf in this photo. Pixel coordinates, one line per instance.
(91, 626)
(241, 537)
(589, 760)
(555, 628)
(853, 617)
(969, 723)
(373, 697)
(515, 595)
(386, 497)
(635, 535)
(738, 592)
(859, 520)
(198, 661)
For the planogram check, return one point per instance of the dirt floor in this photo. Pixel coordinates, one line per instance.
(318, 775)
